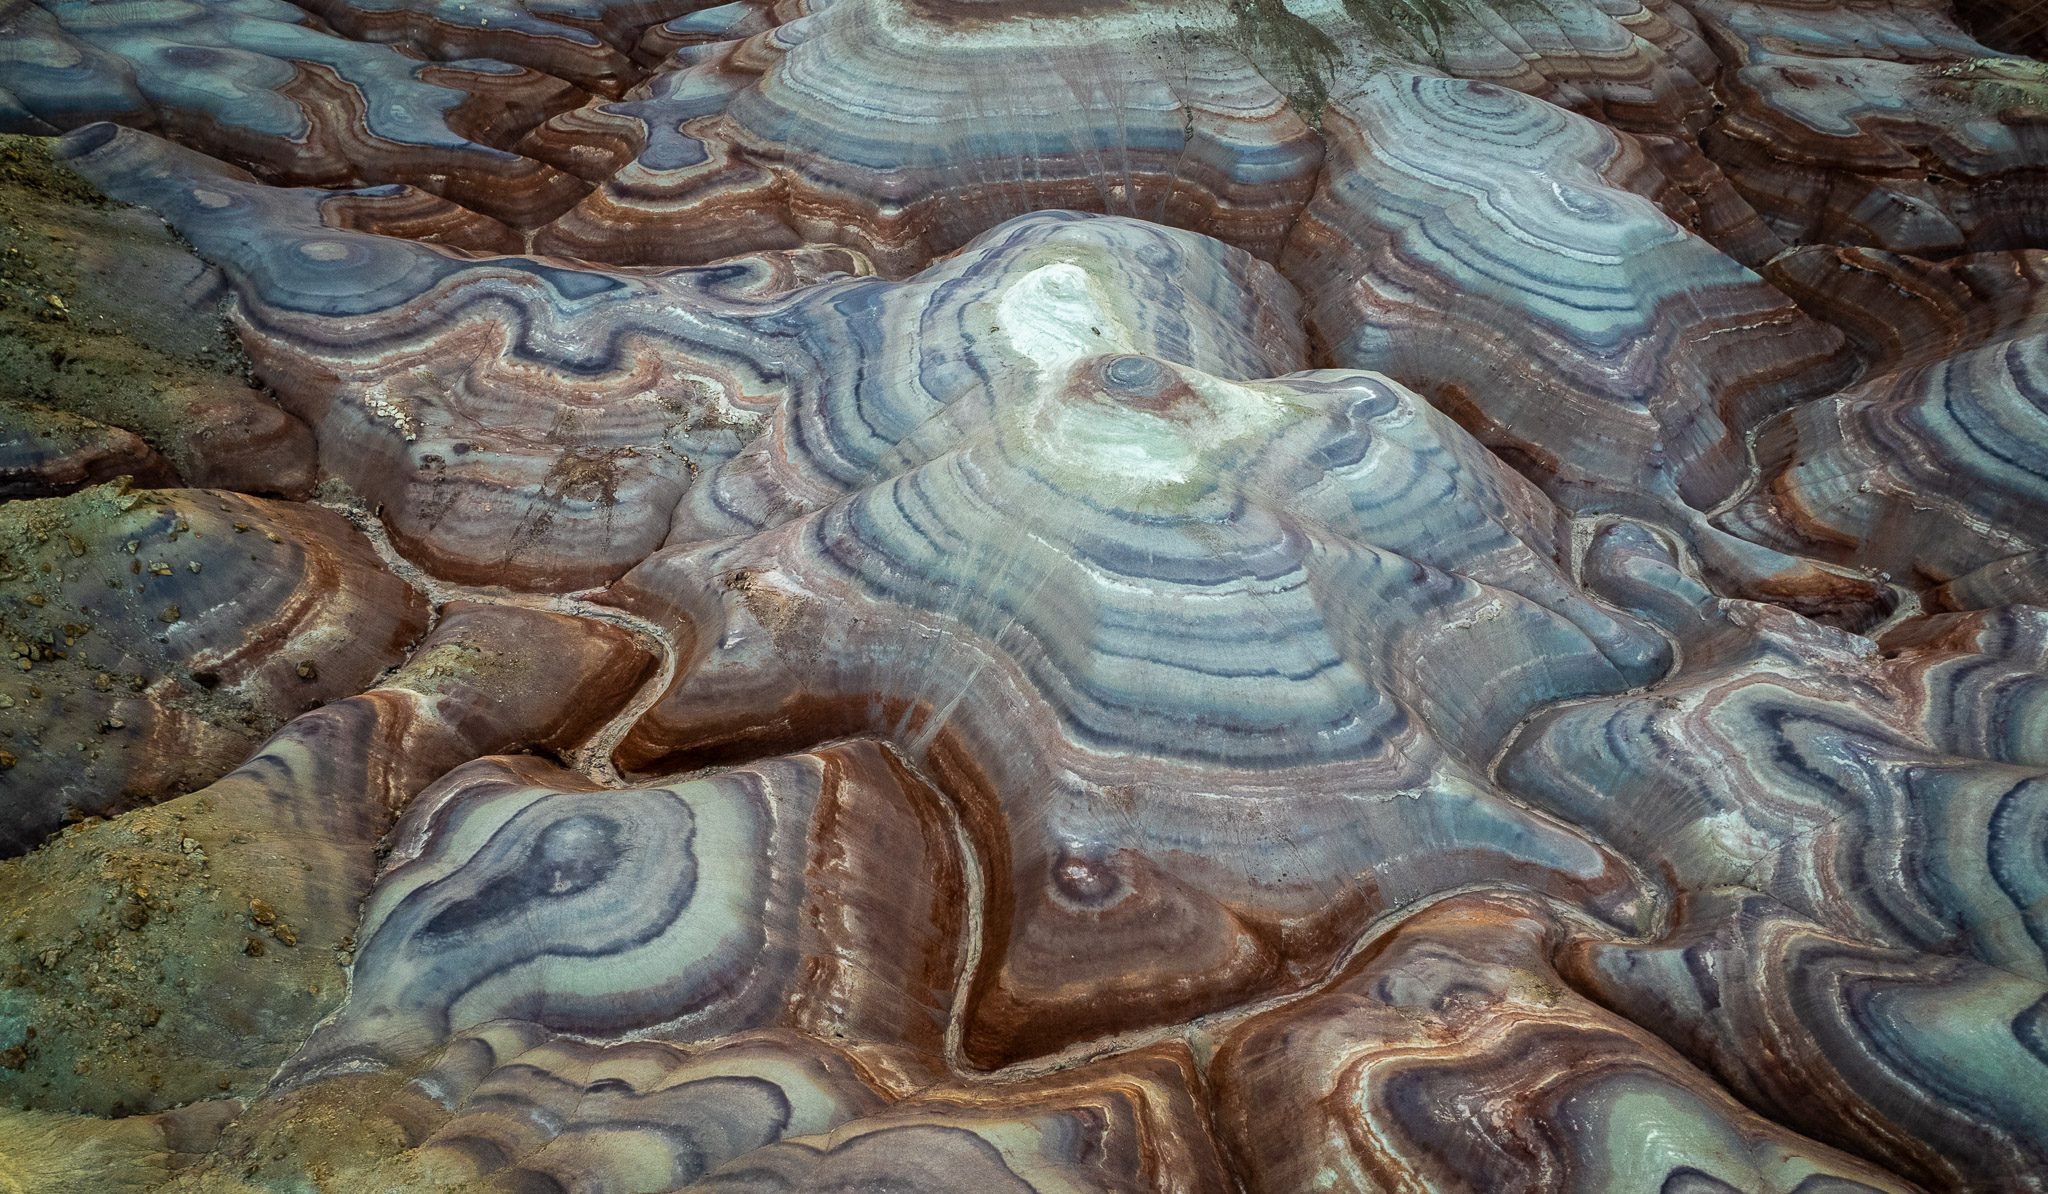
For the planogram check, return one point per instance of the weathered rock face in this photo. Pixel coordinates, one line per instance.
(820, 889)
(1506, 256)
(1883, 125)
(294, 101)
(993, 596)
(187, 948)
(158, 636)
(1053, 597)
(1461, 1007)
(114, 357)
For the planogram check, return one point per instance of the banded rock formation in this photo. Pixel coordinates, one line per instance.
(993, 598)
(1460, 1008)
(1098, 746)
(1504, 257)
(300, 104)
(1931, 468)
(158, 636)
(1895, 801)
(1881, 124)
(1848, 1041)
(820, 891)
(188, 948)
(1199, 116)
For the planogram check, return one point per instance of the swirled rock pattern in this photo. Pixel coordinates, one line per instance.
(1928, 473)
(1199, 116)
(521, 421)
(156, 637)
(530, 1107)
(1882, 125)
(258, 82)
(1073, 595)
(1502, 256)
(1931, 469)
(993, 599)
(1460, 1008)
(1895, 801)
(1844, 1039)
(818, 890)
(585, 42)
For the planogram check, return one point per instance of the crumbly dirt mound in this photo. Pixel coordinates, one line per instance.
(106, 316)
(109, 925)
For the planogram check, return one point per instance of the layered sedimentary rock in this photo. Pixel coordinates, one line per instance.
(583, 41)
(521, 421)
(1900, 311)
(1928, 473)
(114, 359)
(1094, 750)
(1882, 125)
(1894, 801)
(188, 948)
(1198, 116)
(820, 891)
(525, 1107)
(47, 1151)
(258, 82)
(1851, 1042)
(1130, 1123)
(752, 146)
(508, 1107)
(1930, 469)
(157, 636)
(991, 592)
(45, 452)
(1459, 1010)
(1503, 257)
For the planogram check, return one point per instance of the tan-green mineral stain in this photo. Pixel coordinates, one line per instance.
(99, 339)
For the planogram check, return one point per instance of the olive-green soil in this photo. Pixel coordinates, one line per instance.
(110, 324)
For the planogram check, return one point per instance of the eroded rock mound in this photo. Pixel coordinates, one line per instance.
(157, 636)
(1037, 597)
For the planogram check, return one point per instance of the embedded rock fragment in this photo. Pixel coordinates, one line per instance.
(1124, 611)
(1451, 1055)
(157, 636)
(260, 82)
(819, 891)
(181, 950)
